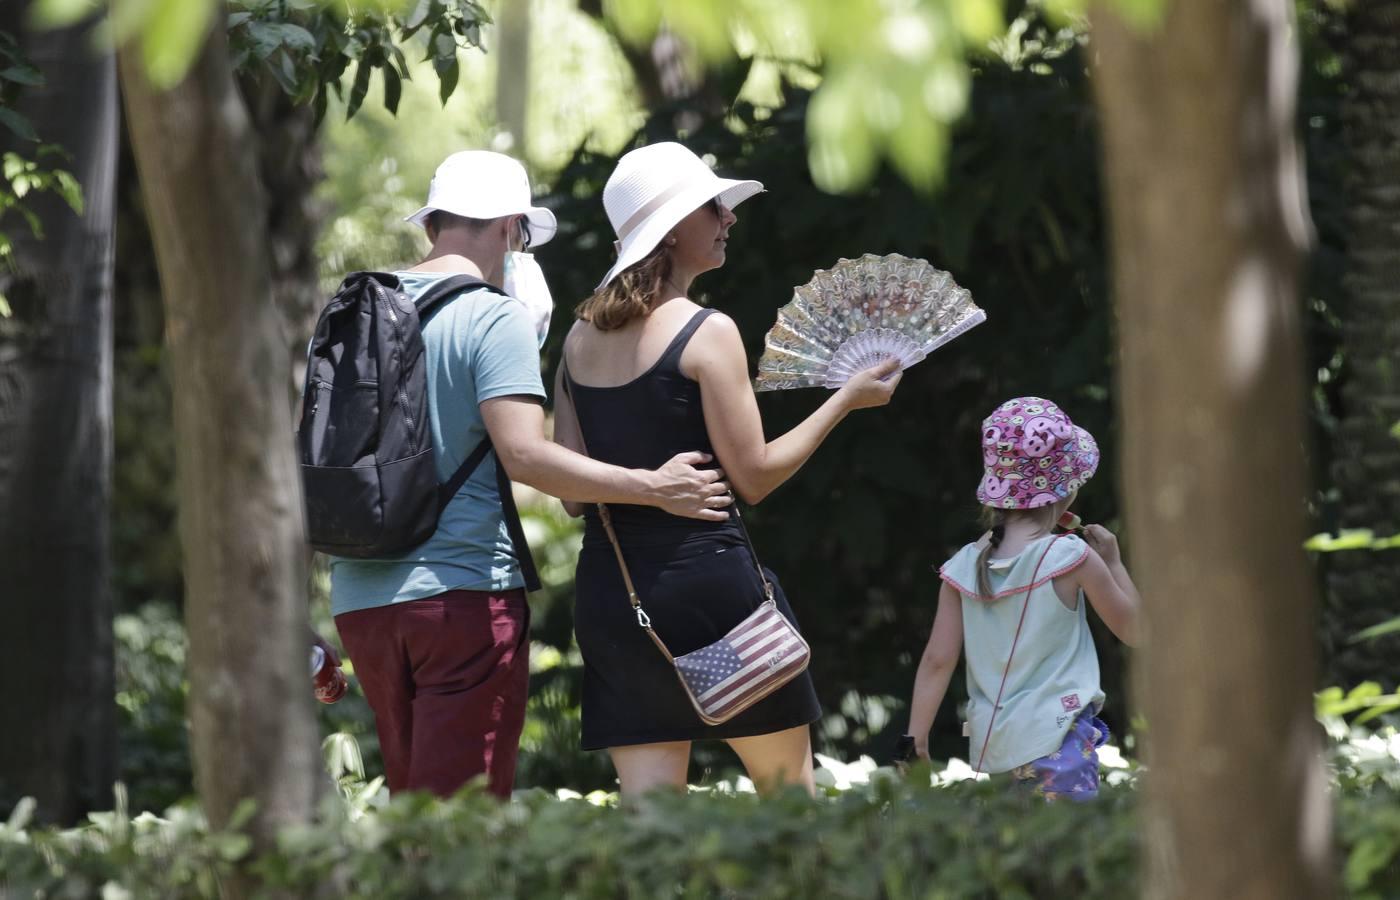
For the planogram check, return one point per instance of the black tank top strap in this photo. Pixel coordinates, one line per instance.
(672, 357)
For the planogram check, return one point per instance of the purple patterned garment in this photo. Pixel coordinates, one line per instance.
(1071, 772)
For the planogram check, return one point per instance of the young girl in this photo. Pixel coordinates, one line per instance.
(1015, 599)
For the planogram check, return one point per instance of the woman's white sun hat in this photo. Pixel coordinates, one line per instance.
(652, 189)
(480, 184)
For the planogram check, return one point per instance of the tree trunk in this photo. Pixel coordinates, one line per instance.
(513, 73)
(289, 168)
(1208, 227)
(239, 497)
(1363, 585)
(56, 663)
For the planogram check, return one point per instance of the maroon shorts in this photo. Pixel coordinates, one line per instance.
(447, 678)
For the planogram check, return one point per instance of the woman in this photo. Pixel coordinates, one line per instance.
(648, 371)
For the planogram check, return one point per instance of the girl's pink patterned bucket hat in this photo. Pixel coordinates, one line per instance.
(1034, 455)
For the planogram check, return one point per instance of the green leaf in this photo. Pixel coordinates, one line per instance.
(27, 75)
(269, 37)
(56, 13)
(1376, 631)
(447, 78)
(69, 189)
(393, 89)
(296, 37)
(400, 62)
(318, 106)
(360, 87)
(24, 809)
(417, 17)
(1369, 856)
(237, 18)
(18, 124)
(1346, 539)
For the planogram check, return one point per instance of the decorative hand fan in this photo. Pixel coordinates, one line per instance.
(859, 313)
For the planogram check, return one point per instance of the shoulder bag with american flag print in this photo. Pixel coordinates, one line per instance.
(759, 655)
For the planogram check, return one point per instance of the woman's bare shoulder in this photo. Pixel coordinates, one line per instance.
(718, 329)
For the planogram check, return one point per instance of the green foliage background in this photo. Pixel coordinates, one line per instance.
(857, 535)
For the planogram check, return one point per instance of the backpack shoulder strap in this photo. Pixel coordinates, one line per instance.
(449, 287)
(449, 488)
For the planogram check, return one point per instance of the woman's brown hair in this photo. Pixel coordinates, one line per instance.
(629, 295)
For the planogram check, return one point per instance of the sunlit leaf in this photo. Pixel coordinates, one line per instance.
(56, 13)
(1375, 631)
(636, 20)
(1347, 539)
(174, 36)
(979, 21)
(69, 189)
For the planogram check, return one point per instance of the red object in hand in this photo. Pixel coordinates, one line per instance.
(327, 680)
(1069, 521)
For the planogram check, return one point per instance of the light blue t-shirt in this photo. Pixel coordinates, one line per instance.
(1052, 677)
(477, 346)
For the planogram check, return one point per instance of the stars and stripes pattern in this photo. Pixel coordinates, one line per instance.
(759, 655)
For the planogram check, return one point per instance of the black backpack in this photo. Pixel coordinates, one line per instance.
(367, 466)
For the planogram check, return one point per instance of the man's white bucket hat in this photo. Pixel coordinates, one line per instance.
(480, 184)
(652, 189)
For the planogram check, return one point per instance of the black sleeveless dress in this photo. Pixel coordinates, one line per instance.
(696, 580)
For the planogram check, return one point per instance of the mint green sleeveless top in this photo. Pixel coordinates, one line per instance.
(1054, 673)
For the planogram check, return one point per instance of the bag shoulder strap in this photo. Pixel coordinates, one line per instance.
(449, 488)
(606, 517)
(1030, 589)
(428, 303)
(447, 288)
(643, 619)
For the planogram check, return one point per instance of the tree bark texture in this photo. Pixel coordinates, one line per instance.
(1208, 228)
(289, 168)
(56, 665)
(239, 496)
(1364, 585)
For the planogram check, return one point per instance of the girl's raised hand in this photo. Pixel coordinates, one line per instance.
(1103, 542)
(873, 387)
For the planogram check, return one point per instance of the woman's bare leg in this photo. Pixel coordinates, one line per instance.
(778, 759)
(644, 767)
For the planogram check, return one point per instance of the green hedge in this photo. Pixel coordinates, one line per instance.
(893, 838)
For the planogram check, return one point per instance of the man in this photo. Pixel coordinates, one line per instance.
(439, 635)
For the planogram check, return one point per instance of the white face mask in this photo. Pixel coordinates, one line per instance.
(524, 280)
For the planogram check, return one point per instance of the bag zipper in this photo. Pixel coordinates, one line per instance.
(403, 395)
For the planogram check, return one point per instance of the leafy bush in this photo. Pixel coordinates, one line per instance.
(870, 835)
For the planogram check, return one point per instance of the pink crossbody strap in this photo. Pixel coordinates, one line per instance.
(1030, 589)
